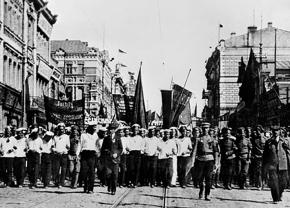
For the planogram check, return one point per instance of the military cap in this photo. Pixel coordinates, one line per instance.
(135, 125)
(60, 124)
(103, 129)
(151, 127)
(113, 125)
(205, 125)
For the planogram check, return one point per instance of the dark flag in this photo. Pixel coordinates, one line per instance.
(181, 97)
(121, 51)
(166, 107)
(249, 90)
(242, 67)
(139, 115)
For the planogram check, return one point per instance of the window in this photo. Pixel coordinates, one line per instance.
(69, 68)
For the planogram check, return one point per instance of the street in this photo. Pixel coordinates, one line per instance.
(138, 197)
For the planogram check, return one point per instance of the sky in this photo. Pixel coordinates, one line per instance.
(170, 37)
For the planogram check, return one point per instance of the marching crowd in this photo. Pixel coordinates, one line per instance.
(121, 156)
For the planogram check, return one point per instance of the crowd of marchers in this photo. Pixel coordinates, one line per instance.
(124, 156)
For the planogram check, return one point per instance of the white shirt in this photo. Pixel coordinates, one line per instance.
(151, 145)
(6, 146)
(166, 149)
(21, 145)
(90, 142)
(35, 145)
(61, 144)
(47, 146)
(184, 146)
(136, 143)
(125, 141)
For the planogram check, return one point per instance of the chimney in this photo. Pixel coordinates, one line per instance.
(251, 34)
(270, 24)
(252, 29)
(233, 34)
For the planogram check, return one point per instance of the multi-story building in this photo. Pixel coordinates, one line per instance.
(222, 67)
(20, 25)
(86, 74)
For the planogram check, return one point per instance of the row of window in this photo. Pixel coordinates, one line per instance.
(12, 73)
(13, 18)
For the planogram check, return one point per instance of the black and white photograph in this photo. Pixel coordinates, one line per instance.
(144, 103)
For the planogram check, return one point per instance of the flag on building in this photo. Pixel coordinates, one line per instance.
(121, 51)
(139, 115)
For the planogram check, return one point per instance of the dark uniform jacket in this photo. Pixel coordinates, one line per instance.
(109, 148)
(244, 146)
(275, 156)
(258, 146)
(227, 148)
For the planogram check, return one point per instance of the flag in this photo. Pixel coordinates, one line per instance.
(242, 67)
(181, 97)
(139, 113)
(121, 51)
(195, 111)
(166, 107)
(249, 90)
(185, 116)
(221, 26)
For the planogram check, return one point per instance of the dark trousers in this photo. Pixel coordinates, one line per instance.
(166, 171)
(60, 168)
(19, 169)
(46, 168)
(33, 163)
(134, 166)
(101, 170)
(227, 167)
(123, 170)
(143, 171)
(277, 182)
(181, 169)
(158, 173)
(243, 168)
(205, 169)
(257, 172)
(7, 170)
(88, 159)
(112, 176)
(151, 169)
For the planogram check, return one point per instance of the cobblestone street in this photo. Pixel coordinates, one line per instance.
(139, 197)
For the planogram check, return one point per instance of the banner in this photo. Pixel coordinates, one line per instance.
(124, 107)
(68, 112)
(166, 107)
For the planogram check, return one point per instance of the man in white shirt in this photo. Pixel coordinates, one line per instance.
(151, 155)
(7, 151)
(135, 146)
(60, 149)
(35, 146)
(183, 155)
(167, 148)
(46, 157)
(124, 157)
(20, 157)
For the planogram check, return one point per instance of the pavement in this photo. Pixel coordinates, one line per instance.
(53, 197)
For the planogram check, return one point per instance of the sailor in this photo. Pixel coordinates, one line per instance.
(60, 149)
(88, 150)
(46, 157)
(123, 161)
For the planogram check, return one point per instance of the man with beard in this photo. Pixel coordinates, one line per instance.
(206, 154)
(275, 164)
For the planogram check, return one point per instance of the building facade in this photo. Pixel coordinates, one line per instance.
(20, 23)
(86, 73)
(222, 68)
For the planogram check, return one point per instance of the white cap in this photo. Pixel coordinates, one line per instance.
(61, 124)
(136, 125)
(49, 133)
(92, 123)
(151, 127)
(35, 130)
(103, 129)
(21, 129)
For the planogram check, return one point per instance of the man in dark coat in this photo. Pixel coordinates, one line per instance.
(275, 164)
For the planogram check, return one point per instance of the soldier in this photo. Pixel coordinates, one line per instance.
(7, 151)
(89, 148)
(112, 149)
(205, 153)
(183, 152)
(227, 148)
(151, 154)
(244, 147)
(275, 164)
(46, 157)
(258, 144)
